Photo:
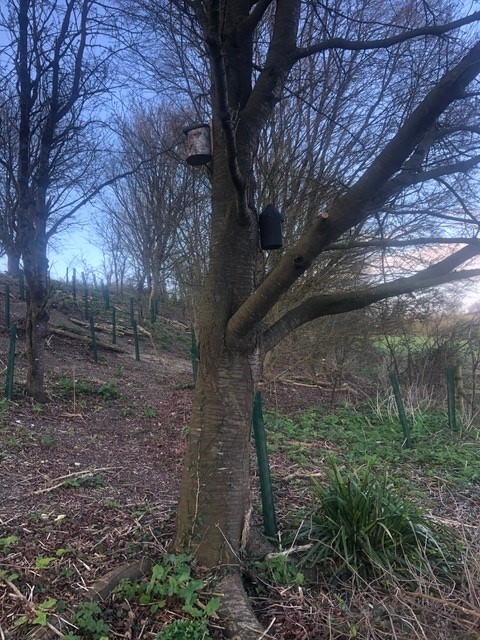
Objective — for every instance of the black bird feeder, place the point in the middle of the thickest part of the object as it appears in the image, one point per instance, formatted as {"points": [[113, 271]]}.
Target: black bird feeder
{"points": [[270, 223], [199, 146]]}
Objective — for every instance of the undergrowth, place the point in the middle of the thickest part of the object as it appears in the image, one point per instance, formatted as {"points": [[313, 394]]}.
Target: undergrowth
{"points": [[360, 528], [362, 436]]}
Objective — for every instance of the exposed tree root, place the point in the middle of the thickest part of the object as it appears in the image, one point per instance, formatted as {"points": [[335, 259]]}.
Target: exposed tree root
{"points": [[236, 612], [104, 587]]}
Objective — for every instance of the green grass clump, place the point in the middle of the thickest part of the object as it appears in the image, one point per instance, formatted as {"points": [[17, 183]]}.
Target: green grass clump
{"points": [[185, 630], [361, 528], [362, 436], [67, 387]]}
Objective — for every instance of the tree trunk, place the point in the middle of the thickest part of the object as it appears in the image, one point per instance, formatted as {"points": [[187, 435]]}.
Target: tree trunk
{"points": [[215, 491], [13, 264], [36, 332], [36, 279], [214, 503]]}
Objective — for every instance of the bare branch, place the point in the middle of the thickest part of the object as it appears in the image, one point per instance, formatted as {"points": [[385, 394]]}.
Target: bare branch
{"points": [[255, 15], [384, 43], [330, 304], [351, 208], [396, 244]]}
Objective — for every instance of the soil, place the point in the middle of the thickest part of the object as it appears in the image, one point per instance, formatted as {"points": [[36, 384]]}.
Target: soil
{"points": [[89, 485], [89, 481]]}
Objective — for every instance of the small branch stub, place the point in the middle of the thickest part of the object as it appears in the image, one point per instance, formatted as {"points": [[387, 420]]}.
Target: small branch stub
{"points": [[199, 146]]}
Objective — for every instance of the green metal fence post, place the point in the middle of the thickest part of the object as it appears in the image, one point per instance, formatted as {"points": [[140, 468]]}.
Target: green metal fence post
{"points": [[87, 310], [7, 305], [105, 296], [11, 362], [401, 410], [74, 284], [268, 504], [94, 339], [135, 337], [132, 311], [114, 326], [452, 416]]}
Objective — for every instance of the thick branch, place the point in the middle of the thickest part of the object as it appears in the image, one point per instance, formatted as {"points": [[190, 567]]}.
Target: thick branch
{"points": [[393, 243], [226, 117], [257, 13], [331, 304], [384, 43], [353, 207]]}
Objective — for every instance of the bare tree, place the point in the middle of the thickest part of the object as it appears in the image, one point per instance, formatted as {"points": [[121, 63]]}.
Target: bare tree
{"points": [[56, 69], [9, 237], [152, 202], [253, 50]]}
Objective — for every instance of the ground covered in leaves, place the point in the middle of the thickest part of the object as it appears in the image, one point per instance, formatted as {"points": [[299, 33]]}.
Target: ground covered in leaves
{"points": [[89, 481]]}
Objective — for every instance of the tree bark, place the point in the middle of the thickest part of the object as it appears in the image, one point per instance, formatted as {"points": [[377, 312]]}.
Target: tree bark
{"points": [[13, 264], [215, 491], [37, 314]]}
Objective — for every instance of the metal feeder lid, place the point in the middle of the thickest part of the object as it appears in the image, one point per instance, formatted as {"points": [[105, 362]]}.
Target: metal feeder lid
{"points": [[198, 125]]}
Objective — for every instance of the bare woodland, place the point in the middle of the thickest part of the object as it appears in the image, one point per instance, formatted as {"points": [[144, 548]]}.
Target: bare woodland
{"points": [[359, 121]]}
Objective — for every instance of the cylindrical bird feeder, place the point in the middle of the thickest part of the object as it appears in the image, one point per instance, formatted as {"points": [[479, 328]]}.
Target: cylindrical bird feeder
{"points": [[199, 147], [270, 223]]}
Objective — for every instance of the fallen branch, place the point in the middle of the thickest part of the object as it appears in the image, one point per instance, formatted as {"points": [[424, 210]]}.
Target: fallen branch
{"points": [[175, 323], [74, 336], [288, 552], [443, 601], [304, 474], [105, 328], [75, 474]]}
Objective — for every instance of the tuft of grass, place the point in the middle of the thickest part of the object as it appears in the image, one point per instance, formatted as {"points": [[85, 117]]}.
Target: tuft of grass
{"points": [[360, 528], [67, 387], [148, 412], [109, 390]]}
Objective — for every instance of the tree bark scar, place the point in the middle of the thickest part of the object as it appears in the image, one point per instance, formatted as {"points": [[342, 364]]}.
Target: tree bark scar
{"points": [[300, 263]]}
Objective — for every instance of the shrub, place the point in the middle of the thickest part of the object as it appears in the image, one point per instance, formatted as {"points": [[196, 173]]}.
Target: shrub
{"points": [[361, 528]]}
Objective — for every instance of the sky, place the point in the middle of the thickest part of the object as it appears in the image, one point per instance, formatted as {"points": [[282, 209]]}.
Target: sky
{"points": [[74, 247]]}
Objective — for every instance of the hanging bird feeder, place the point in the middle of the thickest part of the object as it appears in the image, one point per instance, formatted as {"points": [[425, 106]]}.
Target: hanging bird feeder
{"points": [[270, 223], [199, 146]]}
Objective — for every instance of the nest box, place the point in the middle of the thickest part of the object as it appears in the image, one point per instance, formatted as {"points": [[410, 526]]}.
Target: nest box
{"points": [[270, 223], [199, 146]]}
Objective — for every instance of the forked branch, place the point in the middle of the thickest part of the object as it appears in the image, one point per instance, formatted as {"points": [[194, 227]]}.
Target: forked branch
{"points": [[355, 205], [331, 304]]}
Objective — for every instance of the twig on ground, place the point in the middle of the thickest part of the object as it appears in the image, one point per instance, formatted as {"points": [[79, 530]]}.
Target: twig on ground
{"points": [[86, 472], [29, 605]]}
